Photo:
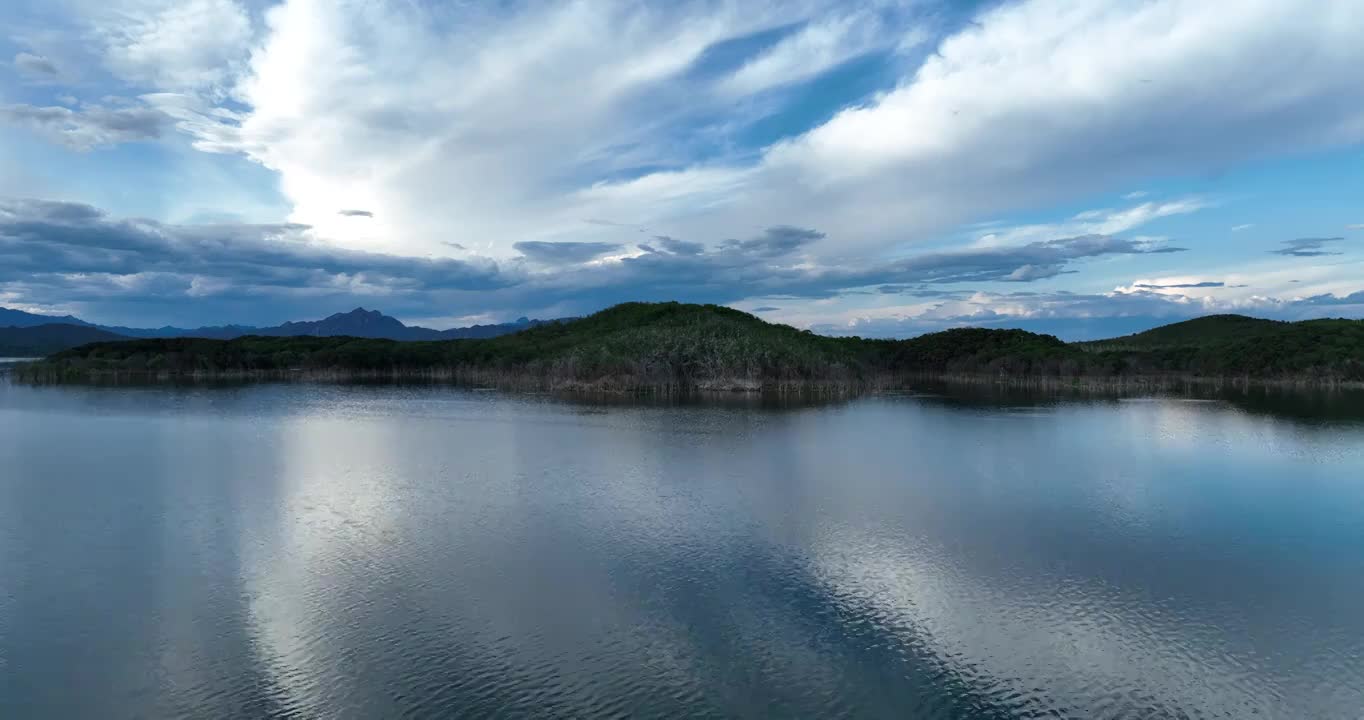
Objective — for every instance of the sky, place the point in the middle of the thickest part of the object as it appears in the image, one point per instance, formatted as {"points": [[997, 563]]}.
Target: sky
{"points": [[877, 168]]}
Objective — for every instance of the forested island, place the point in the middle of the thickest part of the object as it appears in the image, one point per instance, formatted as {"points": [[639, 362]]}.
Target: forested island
{"points": [[683, 347]]}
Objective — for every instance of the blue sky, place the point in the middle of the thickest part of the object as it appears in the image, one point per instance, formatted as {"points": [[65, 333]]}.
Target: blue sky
{"points": [[879, 168]]}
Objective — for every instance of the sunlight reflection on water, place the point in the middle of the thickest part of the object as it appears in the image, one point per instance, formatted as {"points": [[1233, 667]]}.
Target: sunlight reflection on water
{"points": [[370, 551]]}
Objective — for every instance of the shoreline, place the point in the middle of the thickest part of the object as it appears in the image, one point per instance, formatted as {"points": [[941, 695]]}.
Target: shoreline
{"points": [[624, 385]]}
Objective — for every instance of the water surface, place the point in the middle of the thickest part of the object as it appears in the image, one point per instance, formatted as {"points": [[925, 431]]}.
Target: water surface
{"points": [[370, 551]]}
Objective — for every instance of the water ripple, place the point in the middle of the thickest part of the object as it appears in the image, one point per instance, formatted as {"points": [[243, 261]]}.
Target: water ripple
{"points": [[311, 552]]}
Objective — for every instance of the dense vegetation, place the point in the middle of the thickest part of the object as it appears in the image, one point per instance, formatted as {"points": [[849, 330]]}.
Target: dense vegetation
{"points": [[627, 346], [1310, 349], [1198, 332], [40, 340], [671, 345]]}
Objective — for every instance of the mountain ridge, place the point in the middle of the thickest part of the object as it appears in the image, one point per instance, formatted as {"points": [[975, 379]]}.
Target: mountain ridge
{"points": [[48, 338], [358, 322], [18, 318], [676, 346]]}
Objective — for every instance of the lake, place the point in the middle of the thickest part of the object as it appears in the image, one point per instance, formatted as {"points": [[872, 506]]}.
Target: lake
{"points": [[350, 551]]}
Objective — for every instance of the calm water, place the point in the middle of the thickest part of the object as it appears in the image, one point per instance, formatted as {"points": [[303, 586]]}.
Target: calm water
{"points": [[375, 552]]}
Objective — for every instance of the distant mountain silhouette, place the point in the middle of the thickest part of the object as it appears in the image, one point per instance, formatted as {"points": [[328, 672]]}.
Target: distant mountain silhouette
{"points": [[40, 340], [487, 331], [19, 318], [216, 332], [374, 324], [356, 323]]}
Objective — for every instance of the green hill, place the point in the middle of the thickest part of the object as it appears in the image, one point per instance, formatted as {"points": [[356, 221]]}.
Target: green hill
{"points": [[968, 351], [626, 346], [1200, 332], [1311, 349], [1240, 346], [679, 346]]}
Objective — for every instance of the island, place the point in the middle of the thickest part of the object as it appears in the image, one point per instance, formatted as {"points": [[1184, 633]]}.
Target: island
{"points": [[682, 347]]}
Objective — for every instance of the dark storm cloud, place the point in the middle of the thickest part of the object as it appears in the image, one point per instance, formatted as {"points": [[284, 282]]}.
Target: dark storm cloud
{"points": [[920, 291], [1024, 263], [81, 244], [90, 127], [565, 253], [774, 242], [767, 267], [59, 253], [679, 247], [36, 67], [1355, 298], [1307, 247]]}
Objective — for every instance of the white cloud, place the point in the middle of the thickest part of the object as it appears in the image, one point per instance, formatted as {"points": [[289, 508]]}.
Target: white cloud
{"points": [[467, 129], [174, 44], [1044, 99], [484, 130], [1047, 77], [1245, 226], [818, 47], [1094, 222]]}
